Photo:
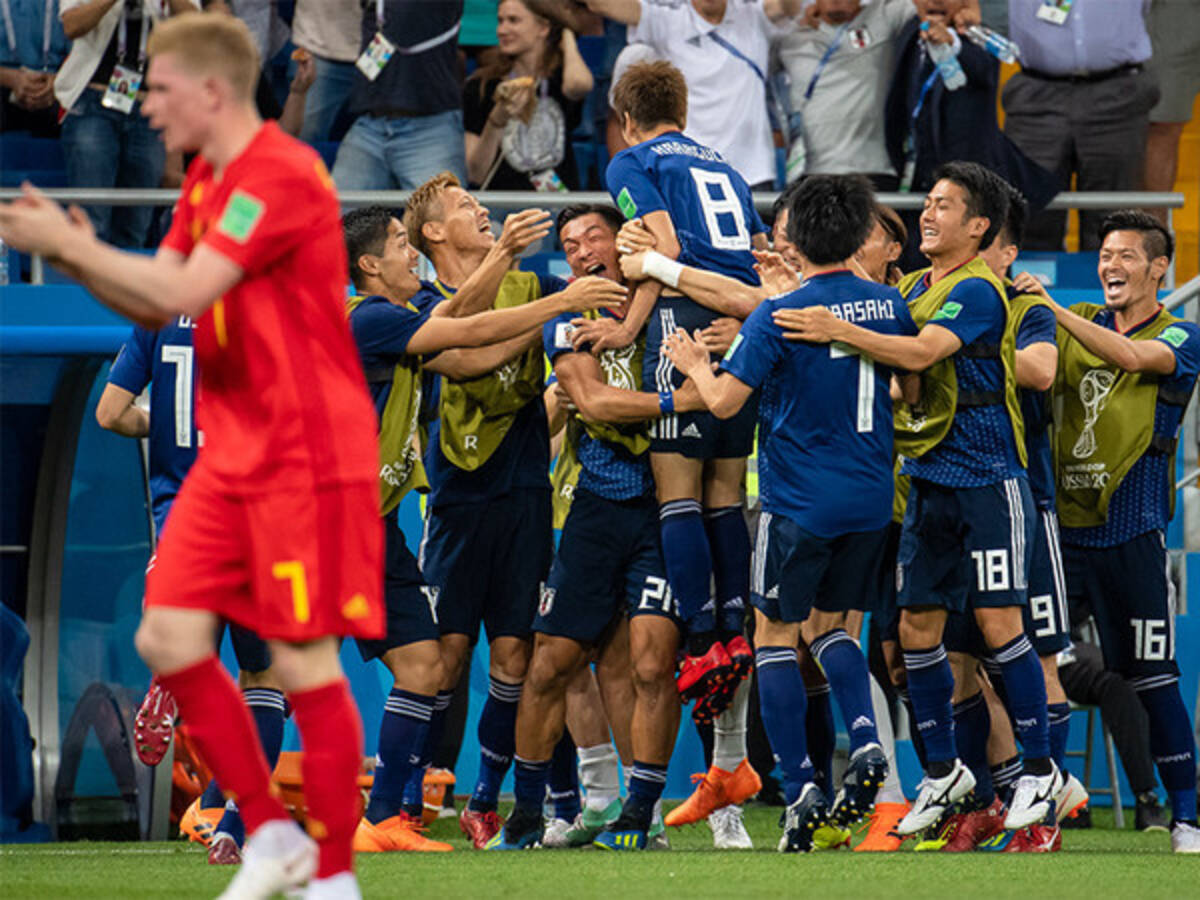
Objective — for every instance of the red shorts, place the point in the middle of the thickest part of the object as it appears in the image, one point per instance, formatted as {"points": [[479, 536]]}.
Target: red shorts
{"points": [[290, 565]]}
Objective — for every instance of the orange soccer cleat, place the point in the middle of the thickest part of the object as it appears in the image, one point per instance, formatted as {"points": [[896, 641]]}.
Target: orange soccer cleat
{"points": [[200, 825], [400, 832], [717, 788], [434, 787], [881, 836]]}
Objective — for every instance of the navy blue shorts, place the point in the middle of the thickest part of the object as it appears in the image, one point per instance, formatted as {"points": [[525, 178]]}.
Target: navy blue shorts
{"points": [[411, 604], [696, 435], [795, 570], [965, 547], [1133, 600], [609, 564], [250, 650], [1047, 622], [887, 614], [489, 561]]}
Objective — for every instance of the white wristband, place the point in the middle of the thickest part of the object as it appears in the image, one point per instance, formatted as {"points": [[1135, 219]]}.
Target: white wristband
{"points": [[660, 268]]}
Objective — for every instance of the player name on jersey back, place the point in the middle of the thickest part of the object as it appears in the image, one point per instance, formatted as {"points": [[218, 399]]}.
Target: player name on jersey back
{"points": [[680, 148], [869, 310]]}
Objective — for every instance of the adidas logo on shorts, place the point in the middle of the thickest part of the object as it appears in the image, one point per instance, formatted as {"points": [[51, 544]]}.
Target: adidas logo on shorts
{"points": [[773, 593], [691, 431]]}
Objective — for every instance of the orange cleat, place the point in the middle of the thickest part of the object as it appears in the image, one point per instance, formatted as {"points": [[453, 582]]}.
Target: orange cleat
{"points": [[976, 827], [435, 785], [480, 827], [200, 825], [716, 789], [400, 832], [881, 836]]}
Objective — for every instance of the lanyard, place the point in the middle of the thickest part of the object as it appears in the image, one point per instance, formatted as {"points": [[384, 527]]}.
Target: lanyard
{"points": [[9, 31], [47, 26], [379, 15], [435, 41], [829, 51], [734, 51], [122, 37]]}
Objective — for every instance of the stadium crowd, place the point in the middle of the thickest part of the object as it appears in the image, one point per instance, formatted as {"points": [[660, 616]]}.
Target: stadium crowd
{"points": [[922, 422]]}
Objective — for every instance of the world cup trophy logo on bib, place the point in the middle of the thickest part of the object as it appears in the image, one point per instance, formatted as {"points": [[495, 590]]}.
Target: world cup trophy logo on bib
{"points": [[1093, 394]]}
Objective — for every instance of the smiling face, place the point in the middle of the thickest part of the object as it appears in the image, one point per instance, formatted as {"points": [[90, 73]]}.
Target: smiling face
{"points": [[397, 265], [518, 30], [1128, 276], [588, 241], [179, 104], [464, 225], [946, 227]]}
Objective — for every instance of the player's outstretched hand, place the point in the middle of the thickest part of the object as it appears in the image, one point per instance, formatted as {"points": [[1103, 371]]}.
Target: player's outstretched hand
{"points": [[635, 237], [812, 323], [775, 273], [687, 353], [523, 229], [594, 292], [1028, 283], [718, 336], [588, 332], [35, 224]]}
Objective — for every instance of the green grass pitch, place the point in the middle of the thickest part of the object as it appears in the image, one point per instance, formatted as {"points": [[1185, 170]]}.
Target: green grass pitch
{"points": [[1098, 863]]}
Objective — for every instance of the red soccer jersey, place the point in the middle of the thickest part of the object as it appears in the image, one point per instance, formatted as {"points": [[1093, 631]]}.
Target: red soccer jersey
{"points": [[281, 398]]}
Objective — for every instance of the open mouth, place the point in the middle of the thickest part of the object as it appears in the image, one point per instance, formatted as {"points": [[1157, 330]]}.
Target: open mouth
{"points": [[1113, 284]]}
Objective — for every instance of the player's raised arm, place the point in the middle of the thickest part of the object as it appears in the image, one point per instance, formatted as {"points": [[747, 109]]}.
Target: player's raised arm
{"points": [[718, 292], [914, 354]]}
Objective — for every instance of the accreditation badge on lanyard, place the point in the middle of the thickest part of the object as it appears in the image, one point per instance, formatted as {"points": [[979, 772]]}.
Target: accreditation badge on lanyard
{"points": [[1055, 11], [372, 60], [124, 84]]}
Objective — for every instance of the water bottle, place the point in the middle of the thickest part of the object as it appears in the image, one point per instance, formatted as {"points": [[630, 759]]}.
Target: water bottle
{"points": [[994, 43], [946, 60]]}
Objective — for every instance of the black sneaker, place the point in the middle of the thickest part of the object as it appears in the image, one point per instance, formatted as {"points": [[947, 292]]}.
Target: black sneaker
{"points": [[802, 819], [864, 776], [1081, 819], [1149, 815]]}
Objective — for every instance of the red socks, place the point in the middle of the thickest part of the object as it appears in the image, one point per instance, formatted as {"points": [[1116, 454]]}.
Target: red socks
{"points": [[332, 737], [219, 722]]}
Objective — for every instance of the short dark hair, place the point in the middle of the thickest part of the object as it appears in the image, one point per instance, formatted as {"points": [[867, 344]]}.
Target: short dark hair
{"points": [[1156, 239], [653, 93], [830, 216], [986, 194], [1013, 229], [611, 216], [365, 231], [784, 200], [891, 222]]}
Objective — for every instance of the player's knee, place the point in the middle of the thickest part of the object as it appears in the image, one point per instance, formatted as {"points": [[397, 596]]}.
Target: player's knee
{"points": [[548, 674], [652, 670]]}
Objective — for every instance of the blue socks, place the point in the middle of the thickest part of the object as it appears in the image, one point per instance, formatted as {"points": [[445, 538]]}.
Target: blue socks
{"points": [[914, 735], [931, 688], [1025, 688], [972, 725], [402, 733], [730, 542], [414, 790], [564, 779], [689, 563], [497, 739], [846, 668], [782, 701], [821, 737], [529, 784], [646, 783], [1060, 727], [1171, 742], [1004, 778]]}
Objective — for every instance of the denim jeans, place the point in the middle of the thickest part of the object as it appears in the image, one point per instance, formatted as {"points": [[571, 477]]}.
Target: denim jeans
{"points": [[105, 148], [326, 99], [400, 153]]}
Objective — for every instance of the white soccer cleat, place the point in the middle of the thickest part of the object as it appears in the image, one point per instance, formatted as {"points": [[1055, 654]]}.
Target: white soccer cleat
{"points": [[1033, 798], [1070, 799], [342, 886], [934, 795], [277, 858], [555, 833], [729, 831], [1185, 838]]}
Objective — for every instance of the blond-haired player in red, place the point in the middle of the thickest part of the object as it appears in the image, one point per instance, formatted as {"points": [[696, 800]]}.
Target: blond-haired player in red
{"points": [[277, 526]]}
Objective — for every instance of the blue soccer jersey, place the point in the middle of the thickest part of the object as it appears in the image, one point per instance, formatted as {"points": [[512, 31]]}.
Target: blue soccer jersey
{"points": [[165, 360], [1142, 501], [382, 330], [980, 448], [825, 417], [607, 469], [708, 201], [1037, 327]]}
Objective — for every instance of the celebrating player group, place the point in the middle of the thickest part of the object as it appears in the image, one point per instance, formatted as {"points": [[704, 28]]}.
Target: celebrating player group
{"points": [[918, 441]]}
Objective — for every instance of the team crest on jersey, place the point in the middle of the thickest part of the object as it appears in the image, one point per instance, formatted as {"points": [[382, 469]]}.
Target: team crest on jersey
{"points": [[860, 38], [547, 601]]}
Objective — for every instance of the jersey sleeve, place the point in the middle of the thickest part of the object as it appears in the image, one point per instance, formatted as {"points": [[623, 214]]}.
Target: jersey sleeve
{"points": [[1184, 340], [904, 320], [383, 330], [556, 336], [755, 349], [134, 365], [1037, 327], [267, 214], [970, 311], [551, 284], [655, 23], [631, 188]]}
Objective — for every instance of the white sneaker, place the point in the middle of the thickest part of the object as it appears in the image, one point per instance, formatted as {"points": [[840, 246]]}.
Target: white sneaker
{"points": [[555, 833], [934, 795], [1072, 798], [277, 857], [1033, 797], [1185, 838], [342, 886], [729, 832]]}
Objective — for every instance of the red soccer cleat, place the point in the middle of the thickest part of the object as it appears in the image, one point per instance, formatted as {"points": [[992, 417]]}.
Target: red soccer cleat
{"points": [[154, 724], [976, 827], [480, 827], [701, 675], [1036, 839], [741, 655], [224, 851]]}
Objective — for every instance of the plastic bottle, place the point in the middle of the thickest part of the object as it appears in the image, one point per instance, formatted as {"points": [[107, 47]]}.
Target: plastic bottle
{"points": [[994, 43], [946, 60]]}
